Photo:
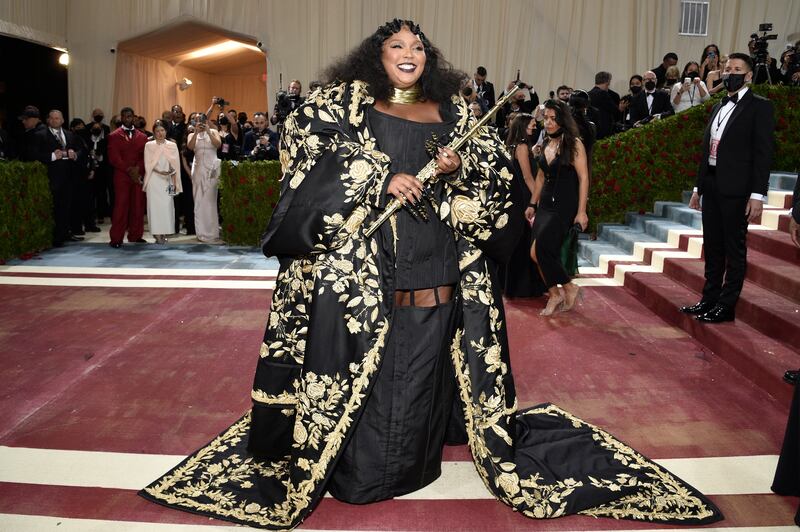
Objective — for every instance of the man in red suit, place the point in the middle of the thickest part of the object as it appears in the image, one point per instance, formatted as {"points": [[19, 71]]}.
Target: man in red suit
{"points": [[126, 155]]}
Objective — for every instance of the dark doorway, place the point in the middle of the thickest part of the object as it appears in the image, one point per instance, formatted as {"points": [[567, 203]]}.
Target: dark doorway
{"points": [[31, 75]]}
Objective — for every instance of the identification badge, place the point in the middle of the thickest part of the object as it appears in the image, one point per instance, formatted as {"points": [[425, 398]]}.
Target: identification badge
{"points": [[714, 146]]}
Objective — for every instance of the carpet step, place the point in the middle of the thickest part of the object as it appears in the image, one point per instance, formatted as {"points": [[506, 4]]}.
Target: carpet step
{"points": [[777, 316], [759, 357], [775, 243]]}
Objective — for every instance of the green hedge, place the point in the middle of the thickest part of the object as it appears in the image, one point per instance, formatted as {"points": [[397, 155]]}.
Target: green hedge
{"points": [[248, 193], [657, 162], [26, 213]]}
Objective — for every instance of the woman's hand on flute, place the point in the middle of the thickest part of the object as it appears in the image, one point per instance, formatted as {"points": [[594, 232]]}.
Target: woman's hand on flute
{"points": [[447, 161], [405, 187]]}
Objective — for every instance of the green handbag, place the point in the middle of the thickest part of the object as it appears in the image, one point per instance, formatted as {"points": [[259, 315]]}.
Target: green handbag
{"points": [[569, 250]]}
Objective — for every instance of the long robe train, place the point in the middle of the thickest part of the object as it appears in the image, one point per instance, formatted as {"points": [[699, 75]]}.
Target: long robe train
{"points": [[328, 324]]}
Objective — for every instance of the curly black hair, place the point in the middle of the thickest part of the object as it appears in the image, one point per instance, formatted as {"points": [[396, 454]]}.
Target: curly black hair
{"points": [[439, 79]]}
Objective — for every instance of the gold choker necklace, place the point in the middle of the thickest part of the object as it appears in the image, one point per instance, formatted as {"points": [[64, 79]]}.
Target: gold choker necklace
{"points": [[406, 96]]}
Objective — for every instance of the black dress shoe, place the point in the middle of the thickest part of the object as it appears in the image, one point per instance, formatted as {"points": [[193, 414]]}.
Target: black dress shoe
{"points": [[93, 229], [718, 314], [792, 376], [698, 308], [140, 241], [73, 238], [115, 245], [79, 232]]}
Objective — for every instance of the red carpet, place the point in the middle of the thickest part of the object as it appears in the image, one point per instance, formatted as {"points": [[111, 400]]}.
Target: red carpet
{"points": [[161, 371]]}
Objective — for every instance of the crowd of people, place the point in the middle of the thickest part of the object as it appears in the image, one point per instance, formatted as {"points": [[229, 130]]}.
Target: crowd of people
{"points": [[100, 170]]}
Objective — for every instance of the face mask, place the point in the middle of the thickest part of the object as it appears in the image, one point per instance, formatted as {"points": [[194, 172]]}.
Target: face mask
{"points": [[671, 81], [98, 118], [555, 133], [96, 131], [733, 82], [649, 85], [692, 75], [636, 89]]}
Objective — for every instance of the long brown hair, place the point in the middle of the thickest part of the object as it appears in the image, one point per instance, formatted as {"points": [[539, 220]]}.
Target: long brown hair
{"points": [[517, 130], [570, 135]]}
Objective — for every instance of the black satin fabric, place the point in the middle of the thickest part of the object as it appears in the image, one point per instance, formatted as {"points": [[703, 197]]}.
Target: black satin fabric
{"points": [[426, 250], [787, 474], [396, 448]]}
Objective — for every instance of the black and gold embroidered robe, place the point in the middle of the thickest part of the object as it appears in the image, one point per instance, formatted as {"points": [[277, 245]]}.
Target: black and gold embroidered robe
{"points": [[330, 318]]}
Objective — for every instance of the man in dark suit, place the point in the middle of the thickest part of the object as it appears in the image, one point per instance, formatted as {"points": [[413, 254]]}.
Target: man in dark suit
{"points": [[126, 155], [733, 181], [651, 103], [59, 150], [32, 124], [261, 143], [483, 88], [670, 59], [604, 111]]}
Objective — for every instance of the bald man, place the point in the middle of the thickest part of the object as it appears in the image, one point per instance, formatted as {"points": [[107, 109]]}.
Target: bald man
{"points": [[651, 103]]}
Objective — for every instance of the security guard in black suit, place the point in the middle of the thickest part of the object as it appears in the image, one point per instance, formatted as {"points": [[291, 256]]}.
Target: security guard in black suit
{"points": [[733, 181]]}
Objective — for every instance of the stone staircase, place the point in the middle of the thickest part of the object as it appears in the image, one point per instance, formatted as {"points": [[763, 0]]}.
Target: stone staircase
{"points": [[658, 257]]}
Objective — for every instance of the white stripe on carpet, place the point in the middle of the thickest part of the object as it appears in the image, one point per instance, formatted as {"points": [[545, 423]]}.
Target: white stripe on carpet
{"points": [[40, 523], [730, 475], [188, 272], [135, 283]]}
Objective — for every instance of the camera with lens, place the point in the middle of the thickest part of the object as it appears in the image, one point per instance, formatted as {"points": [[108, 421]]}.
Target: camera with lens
{"points": [[760, 45], [222, 102], [790, 61], [283, 105]]}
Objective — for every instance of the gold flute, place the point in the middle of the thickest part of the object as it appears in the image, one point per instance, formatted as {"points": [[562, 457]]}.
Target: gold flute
{"points": [[429, 170]]}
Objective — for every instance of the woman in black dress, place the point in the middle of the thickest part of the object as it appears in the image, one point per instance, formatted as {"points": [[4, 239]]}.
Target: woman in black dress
{"points": [[559, 202], [520, 277], [371, 337]]}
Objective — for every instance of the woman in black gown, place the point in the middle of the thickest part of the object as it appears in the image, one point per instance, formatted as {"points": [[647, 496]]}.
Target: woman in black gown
{"points": [[520, 276], [559, 202], [370, 338]]}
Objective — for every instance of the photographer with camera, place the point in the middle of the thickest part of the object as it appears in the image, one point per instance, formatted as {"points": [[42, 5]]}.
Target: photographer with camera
{"points": [[765, 67], [286, 102], [790, 65], [261, 144]]}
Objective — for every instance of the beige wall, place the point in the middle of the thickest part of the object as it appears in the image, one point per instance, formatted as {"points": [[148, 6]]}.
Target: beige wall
{"points": [[550, 41], [149, 86]]}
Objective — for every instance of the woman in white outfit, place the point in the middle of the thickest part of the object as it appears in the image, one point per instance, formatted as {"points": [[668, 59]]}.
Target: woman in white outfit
{"points": [[205, 141], [161, 165]]}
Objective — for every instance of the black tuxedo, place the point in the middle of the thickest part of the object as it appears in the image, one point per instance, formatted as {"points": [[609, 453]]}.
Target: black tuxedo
{"points": [[61, 173], [488, 93], [744, 157], [640, 110], [603, 112]]}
